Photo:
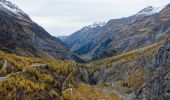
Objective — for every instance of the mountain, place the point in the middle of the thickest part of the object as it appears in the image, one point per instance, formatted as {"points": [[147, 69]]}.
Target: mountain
{"points": [[138, 69], [78, 39], [140, 74], [127, 34], [20, 35], [81, 37], [150, 10], [62, 38]]}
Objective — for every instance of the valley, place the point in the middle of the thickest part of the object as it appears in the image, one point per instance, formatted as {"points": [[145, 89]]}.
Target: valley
{"points": [[124, 76], [123, 59]]}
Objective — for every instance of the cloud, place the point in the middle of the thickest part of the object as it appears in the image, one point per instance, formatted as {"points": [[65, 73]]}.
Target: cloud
{"points": [[63, 17]]}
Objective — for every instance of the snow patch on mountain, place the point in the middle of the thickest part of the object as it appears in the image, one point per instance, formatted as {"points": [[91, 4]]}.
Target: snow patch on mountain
{"points": [[97, 24], [6, 5], [94, 25], [150, 10]]}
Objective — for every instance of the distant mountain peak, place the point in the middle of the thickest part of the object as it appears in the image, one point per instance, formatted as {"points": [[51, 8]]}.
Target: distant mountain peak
{"points": [[150, 10], [11, 8], [94, 25], [62, 38]]}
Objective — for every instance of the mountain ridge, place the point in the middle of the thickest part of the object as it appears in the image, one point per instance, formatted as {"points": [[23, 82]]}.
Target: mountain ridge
{"points": [[86, 34], [20, 35], [103, 44]]}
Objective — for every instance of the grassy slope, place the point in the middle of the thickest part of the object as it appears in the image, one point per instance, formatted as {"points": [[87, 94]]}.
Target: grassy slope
{"points": [[34, 82], [124, 57]]}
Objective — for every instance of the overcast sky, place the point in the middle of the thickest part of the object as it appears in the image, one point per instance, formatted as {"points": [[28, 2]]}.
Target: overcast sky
{"points": [[63, 17]]}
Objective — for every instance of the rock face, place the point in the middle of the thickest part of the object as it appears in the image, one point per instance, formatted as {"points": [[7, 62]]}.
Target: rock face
{"points": [[20, 35], [158, 80], [142, 74], [83, 36]]}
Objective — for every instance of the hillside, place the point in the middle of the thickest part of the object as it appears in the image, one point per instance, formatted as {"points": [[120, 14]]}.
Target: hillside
{"points": [[35, 78], [20, 35], [129, 76], [142, 32], [129, 58], [142, 74], [83, 36]]}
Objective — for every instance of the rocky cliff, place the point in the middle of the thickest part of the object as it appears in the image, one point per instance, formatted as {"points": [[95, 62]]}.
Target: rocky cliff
{"points": [[142, 74]]}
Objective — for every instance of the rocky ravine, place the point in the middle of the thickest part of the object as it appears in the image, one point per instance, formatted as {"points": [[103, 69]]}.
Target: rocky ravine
{"points": [[157, 78], [143, 74]]}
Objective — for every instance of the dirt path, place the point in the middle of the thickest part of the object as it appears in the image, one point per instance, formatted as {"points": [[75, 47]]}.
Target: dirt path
{"points": [[32, 65], [38, 65], [5, 77], [63, 86]]}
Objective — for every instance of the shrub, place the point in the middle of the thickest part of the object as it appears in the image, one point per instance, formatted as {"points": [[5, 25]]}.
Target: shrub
{"points": [[53, 93], [3, 71]]}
